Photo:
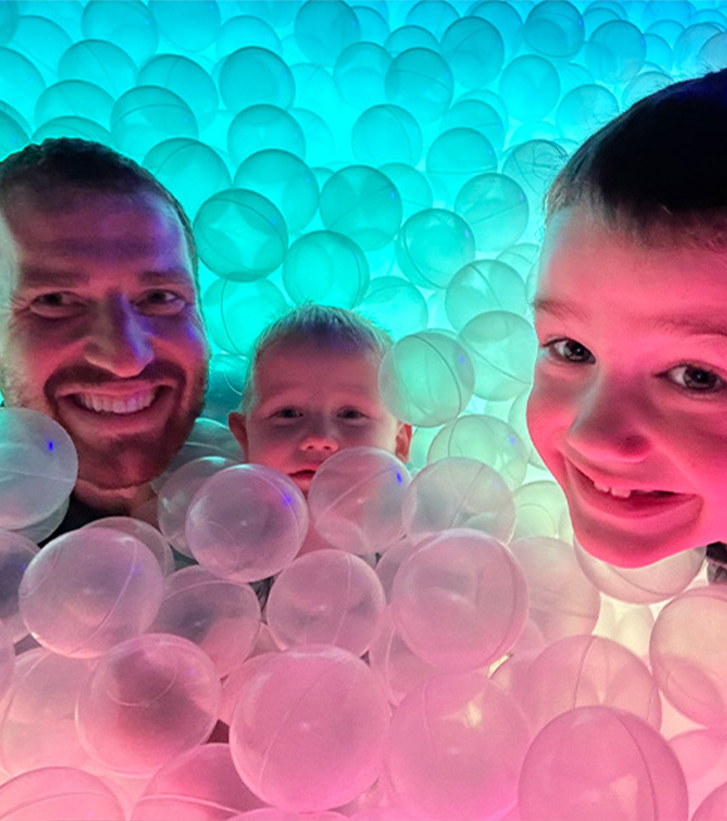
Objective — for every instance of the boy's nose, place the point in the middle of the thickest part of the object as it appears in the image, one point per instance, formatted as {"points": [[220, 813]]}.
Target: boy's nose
{"points": [[319, 438], [119, 339]]}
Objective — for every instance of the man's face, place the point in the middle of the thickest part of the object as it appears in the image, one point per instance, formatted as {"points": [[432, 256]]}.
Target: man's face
{"points": [[99, 328], [310, 402], [629, 403]]}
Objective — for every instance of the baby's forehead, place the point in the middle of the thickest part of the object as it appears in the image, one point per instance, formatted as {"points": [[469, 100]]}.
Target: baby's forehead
{"points": [[316, 350]]}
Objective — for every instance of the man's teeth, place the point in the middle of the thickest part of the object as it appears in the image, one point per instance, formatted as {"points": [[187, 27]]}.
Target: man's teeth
{"points": [[113, 404]]}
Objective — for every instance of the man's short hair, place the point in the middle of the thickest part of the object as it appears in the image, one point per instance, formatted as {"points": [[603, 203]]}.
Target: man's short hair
{"points": [[67, 162], [333, 329], [658, 172]]}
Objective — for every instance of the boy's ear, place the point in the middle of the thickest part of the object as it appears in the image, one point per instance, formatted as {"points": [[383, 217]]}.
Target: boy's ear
{"points": [[403, 442], [238, 428]]}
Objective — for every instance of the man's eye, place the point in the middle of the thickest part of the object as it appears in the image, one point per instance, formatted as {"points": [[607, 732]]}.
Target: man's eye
{"points": [[55, 304], [696, 379], [161, 301], [570, 351]]}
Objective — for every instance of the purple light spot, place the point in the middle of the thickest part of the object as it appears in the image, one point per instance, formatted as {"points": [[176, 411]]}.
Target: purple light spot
{"points": [[399, 477], [50, 444]]}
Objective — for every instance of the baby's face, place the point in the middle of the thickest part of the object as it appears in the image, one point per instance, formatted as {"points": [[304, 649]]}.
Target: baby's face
{"points": [[311, 402], [629, 403]]}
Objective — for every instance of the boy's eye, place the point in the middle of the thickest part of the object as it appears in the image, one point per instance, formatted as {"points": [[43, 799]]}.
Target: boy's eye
{"points": [[287, 413], [696, 379], [352, 413], [570, 351]]}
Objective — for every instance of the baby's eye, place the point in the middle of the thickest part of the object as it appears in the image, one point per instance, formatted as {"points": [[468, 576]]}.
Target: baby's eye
{"points": [[55, 305], [569, 350], [696, 379], [287, 413], [352, 413]]}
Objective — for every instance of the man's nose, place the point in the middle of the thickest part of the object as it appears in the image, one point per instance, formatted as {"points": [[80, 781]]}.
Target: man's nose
{"points": [[120, 339]]}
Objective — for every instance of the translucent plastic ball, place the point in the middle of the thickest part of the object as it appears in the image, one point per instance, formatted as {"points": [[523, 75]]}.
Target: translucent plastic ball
{"points": [[529, 86], [714, 805], [396, 305], [410, 36], [145, 533], [481, 286], [487, 439], [646, 83], [578, 766], [420, 81], [359, 74], [432, 246], [240, 235], [220, 616], [246, 30], [373, 23], [147, 700], [454, 157], [78, 127], [326, 597], [13, 136], [42, 41], [190, 169], [584, 110], [503, 348], [315, 88], [290, 747], [194, 30], [455, 749], [49, 467], [246, 523], [20, 81], [459, 492], [712, 53], [38, 716], [74, 97], [236, 312], [653, 583], [326, 267], [194, 785], [496, 208], [386, 134], [261, 127], [689, 43], [533, 165], [208, 438], [253, 75], [129, 25], [474, 50], [323, 30], [460, 601], [426, 378], [59, 794], [479, 115], [355, 499], [99, 62], [434, 15], [703, 755], [363, 204], [689, 661], [562, 600], [412, 185], [554, 29], [185, 78], [286, 181], [90, 589], [16, 553], [319, 144], [615, 52]]}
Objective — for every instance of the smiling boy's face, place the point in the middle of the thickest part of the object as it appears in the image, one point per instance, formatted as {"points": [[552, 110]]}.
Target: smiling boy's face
{"points": [[629, 402]]}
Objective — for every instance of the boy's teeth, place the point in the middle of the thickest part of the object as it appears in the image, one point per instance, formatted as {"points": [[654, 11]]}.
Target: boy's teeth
{"points": [[621, 494]]}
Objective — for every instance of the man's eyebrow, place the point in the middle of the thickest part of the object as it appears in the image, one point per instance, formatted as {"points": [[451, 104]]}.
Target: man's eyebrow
{"points": [[34, 277], [167, 275]]}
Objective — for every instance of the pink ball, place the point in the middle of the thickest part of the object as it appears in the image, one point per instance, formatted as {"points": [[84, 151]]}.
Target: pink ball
{"points": [[714, 806], [689, 656], [148, 700], [246, 522], [455, 748], [598, 764], [703, 756], [145, 533], [388, 565], [90, 589], [16, 553], [460, 601], [459, 492], [58, 794], [326, 597], [580, 671], [220, 616], [309, 728], [355, 499]]}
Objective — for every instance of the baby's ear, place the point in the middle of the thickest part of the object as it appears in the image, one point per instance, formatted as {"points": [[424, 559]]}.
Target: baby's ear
{"points": [[403, 442], [238, 428]]}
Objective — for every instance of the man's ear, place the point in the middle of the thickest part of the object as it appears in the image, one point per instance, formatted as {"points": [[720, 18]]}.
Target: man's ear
{"points": [[403, 442], [238, 428]]}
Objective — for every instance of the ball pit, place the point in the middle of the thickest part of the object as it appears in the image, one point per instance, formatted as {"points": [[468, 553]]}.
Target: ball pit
{"points": [[391, 157]]}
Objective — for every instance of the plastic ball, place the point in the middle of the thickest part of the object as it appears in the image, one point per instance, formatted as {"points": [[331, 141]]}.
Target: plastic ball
{"points": [[74, 98], [145, 533], [286, 181], [129, 712], [432, 246], [252, 76], [129, 25], [315, 88], [225, 384], [446, 754], [246, 523], [496, 208], [455, 156], [59, 794], [479, 116], [355, 499], [246, 30], [194, 30], [13, 135], [323, 30], [220, 616], [426, 378], [38, 715], [43, 42], [374, 27], [459, 492], [712, 53], [195, 784], [533, 165], [208, 438], [460, 601], [79, 127], [714, 805], [410, 36], [9, 21], [264, 127], [185, 78], [433, 15], [529, 86], [101, 63], [20, 81], [420, 81], [359, 74], [703, 756], [386, 134], [689, 661], [327, 268], [615, 52], [240, 235], [481, 286], [653, 583], [326, 597], [318, 140], [90, 589], [688, 46], [16, 553], [584, 110], [474, 50], [578, 764], [523, 257], [290, 747], [644, 84], [396, 305], [554, 29]]}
